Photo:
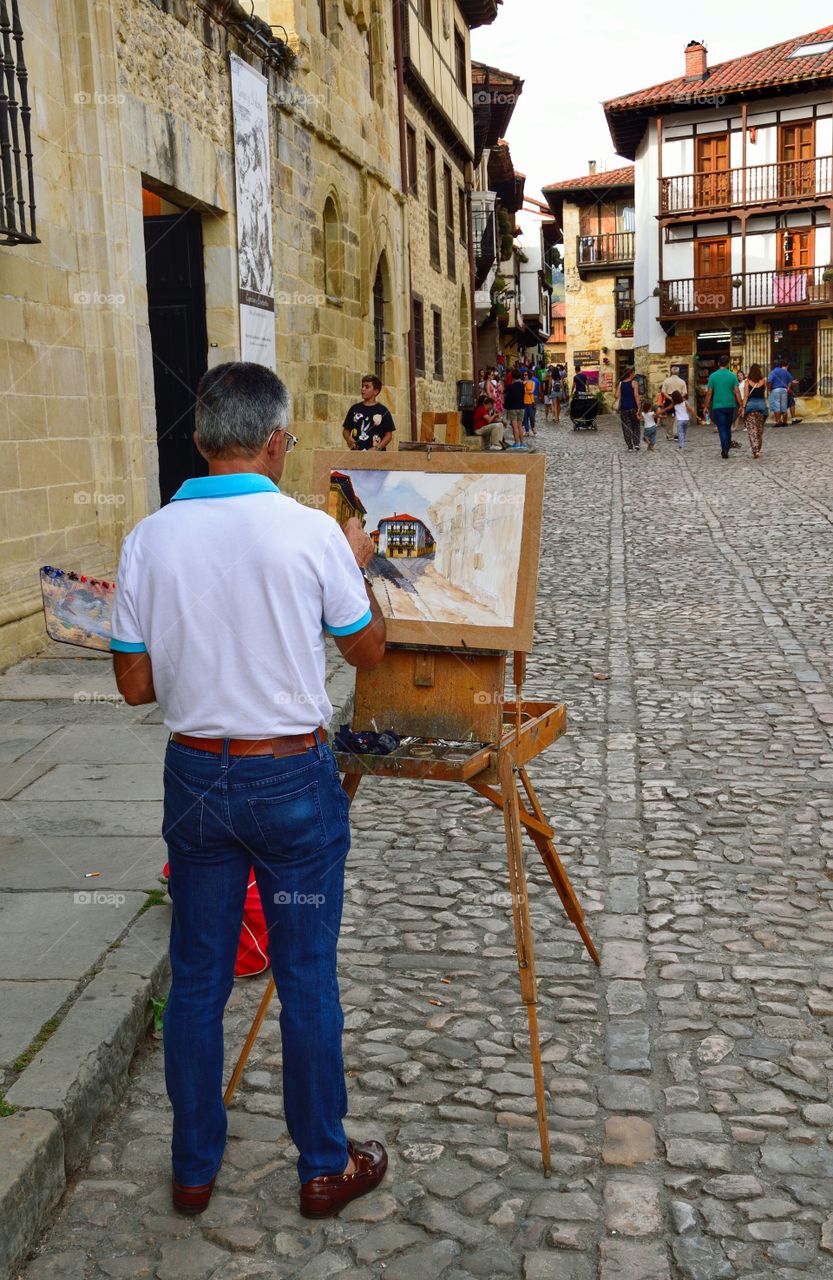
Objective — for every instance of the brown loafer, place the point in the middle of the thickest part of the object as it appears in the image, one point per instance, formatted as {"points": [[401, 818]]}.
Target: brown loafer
{"points": [[192, 1200], [326, 1196]]}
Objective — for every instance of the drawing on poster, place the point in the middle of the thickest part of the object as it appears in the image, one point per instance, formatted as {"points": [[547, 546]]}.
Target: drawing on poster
{"points": [[448, 545], [253, 184], [251, 153]]}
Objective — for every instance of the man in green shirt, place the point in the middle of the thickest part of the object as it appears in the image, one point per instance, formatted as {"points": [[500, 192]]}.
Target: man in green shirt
{"points": [[722, 400]]}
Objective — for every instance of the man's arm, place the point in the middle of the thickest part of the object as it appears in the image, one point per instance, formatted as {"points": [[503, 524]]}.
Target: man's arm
{"points": [[348, 437], [382, 442], [365, 649], [134, 677]]}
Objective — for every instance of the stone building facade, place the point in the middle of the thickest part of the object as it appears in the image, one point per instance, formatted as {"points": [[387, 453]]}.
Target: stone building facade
{"points": [[594, 220], [134, 157]]}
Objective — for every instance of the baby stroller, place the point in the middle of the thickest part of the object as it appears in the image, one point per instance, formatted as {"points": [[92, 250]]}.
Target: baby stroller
{"points": [[584, 408]]}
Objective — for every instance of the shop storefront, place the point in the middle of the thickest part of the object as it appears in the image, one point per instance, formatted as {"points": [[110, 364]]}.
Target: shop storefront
{"points": [[794, 339]]}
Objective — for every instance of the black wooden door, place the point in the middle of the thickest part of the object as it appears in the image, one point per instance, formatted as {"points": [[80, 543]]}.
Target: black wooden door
{"points": [[176, 312]]}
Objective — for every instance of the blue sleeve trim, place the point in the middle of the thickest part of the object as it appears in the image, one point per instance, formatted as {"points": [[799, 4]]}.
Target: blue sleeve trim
{"points": [[354, 626], [127, 646]]}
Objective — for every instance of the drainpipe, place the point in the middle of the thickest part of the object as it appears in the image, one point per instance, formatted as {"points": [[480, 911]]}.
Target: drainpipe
{"points": [[398, 58], [470, 240]]}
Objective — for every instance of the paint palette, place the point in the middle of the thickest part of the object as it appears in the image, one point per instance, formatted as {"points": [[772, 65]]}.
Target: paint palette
{"points": [[77, 609]]}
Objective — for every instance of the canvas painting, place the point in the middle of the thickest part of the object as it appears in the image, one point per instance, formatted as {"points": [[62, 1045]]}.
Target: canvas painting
{"points": [[455, 539]]}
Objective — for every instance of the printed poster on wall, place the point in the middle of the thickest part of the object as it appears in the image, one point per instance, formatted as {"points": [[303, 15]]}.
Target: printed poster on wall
{"points": [[253, 182]]}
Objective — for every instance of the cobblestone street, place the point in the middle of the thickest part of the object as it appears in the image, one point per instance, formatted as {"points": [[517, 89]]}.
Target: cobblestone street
{"points": [[688, 1080]]}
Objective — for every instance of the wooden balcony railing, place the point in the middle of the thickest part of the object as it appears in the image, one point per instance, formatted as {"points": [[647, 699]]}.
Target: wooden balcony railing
{"points": [[758, 184], [614, 247], [755, 291]]}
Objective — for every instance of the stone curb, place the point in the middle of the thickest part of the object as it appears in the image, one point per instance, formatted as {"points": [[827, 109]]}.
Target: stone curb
{"points": [[32, 1180], [74, 1080], [82, 1069]]}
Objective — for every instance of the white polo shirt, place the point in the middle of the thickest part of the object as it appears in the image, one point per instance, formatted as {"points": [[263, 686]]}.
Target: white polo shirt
{"points": [[229, 589]]}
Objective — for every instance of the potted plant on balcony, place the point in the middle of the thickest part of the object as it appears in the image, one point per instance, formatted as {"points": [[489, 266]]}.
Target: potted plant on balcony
{"points": [[737, 282], [822, 292], [625, 329]]}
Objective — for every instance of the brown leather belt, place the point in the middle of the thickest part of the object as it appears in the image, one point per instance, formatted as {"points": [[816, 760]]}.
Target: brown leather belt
{"points": [[294, 744]]}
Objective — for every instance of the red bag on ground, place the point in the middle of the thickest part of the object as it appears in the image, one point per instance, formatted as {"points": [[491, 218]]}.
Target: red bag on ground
{"points": [[253, 948]]}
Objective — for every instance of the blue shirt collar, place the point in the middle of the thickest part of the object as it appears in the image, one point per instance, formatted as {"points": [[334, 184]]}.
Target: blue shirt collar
{"points": [[227, 486]]}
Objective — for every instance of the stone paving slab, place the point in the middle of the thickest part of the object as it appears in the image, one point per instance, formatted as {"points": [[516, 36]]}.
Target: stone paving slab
{"points": [[61, 934], [689, 1082], [116, 743], [62, 861], [26, 1007]]}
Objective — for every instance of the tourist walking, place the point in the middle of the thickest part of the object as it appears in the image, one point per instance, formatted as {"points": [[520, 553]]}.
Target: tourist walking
{"points": [[683, 413], [722, 400], [627, 397], [649, 424], [754, 408], [557, 392], [780, 381]]}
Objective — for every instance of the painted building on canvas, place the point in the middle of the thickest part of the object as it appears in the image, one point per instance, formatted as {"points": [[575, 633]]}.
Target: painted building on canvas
{"points": [[404, 536]]}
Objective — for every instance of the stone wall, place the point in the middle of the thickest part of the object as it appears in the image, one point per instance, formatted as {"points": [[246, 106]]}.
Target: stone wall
{"points": [[138, 93], [590, 306], [452, 297]]}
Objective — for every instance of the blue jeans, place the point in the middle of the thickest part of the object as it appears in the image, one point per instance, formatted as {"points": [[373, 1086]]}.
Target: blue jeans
{"points": [[723, 419], [682, 428], [529, 417], [287, 818]]}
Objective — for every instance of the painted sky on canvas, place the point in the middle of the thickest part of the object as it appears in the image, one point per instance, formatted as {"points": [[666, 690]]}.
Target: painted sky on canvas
{"points": [[387, 493]]}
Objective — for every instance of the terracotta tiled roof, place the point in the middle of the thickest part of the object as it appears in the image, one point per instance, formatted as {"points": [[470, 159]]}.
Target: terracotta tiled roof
{"points": [[610, 178], [766, 68], [754, 70]]}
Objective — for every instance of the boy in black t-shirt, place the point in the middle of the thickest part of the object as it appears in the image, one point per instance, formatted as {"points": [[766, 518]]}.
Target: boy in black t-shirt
{"points": [[368, 425]]}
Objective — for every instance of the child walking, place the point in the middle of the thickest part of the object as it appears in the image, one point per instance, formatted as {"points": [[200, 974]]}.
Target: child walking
{"points": [[683, 413], [649, 423]]}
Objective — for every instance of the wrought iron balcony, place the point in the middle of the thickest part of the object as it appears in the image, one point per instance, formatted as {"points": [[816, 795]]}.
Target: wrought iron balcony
{"points": [[17, 188], [799, 288], [612, 248], [786, 181]]}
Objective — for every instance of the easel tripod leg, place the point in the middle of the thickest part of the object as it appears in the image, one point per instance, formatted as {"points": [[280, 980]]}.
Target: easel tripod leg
{"points": [[350, 783], [555, 869], [524, 943]]}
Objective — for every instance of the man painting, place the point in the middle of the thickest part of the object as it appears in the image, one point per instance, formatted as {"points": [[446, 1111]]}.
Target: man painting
{"points": [[222, 601]]}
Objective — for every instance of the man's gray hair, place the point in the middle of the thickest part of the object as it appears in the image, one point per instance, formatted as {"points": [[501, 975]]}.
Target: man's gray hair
{"points": [[239, 405]]}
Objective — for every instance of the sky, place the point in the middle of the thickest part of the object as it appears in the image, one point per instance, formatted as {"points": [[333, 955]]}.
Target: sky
{"points": [[572, 57]]}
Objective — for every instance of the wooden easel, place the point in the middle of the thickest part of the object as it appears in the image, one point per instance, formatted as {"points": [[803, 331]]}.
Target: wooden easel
{"points": [[402, 694]]}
